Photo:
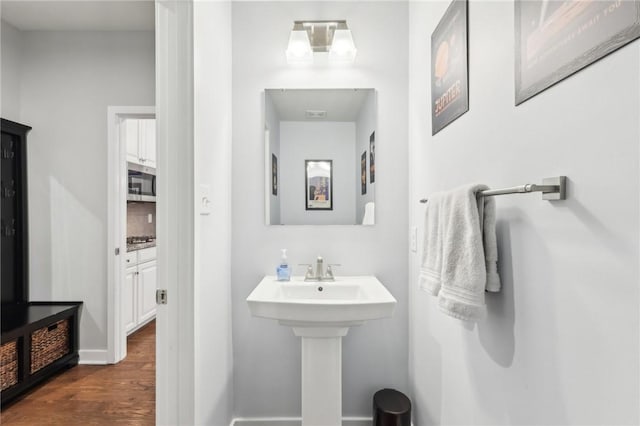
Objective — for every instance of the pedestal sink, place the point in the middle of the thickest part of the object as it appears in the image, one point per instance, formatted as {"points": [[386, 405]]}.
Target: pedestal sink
{"points": [[321, 314]]}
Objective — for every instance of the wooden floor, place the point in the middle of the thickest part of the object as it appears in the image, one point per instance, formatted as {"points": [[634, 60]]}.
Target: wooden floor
{"points": [[121, 394]]}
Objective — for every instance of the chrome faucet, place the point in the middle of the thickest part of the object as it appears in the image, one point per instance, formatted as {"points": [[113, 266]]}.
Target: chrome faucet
{"points": [[319, 268], [319, 274]]}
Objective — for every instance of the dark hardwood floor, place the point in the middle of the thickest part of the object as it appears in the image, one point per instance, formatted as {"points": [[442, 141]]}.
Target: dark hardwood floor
{"points": [[121, 394]]}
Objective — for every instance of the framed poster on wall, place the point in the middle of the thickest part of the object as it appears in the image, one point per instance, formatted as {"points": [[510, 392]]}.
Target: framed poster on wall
{"points": [[555, 39], [318, 184], [449, 67]]}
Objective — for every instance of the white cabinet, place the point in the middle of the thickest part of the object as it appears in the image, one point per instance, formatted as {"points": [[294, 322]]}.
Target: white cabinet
{"points": [[140, 136], [146, 255], [131, 259], [130, 132], [139, 292], [129, 299], [148, 141], [147, 284]]}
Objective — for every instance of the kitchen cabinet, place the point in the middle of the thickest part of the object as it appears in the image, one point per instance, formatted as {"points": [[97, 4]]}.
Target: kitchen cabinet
{"points": [[140, 137], [147, 284], [131, 259], [129, 299], [139, 293]]}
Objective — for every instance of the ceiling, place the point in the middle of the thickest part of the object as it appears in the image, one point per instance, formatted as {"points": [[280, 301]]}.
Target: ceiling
{"points": [[80, 15], [340, 104]]}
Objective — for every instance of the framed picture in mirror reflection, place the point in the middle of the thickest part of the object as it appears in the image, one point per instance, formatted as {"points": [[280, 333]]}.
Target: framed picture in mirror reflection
{"points": [[363, 172], [318, 184], [372, 157], [274, 175]]}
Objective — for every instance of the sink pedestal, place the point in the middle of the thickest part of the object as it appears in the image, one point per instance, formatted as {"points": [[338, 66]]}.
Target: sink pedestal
{"points": [[321, 314], [321, 375]]}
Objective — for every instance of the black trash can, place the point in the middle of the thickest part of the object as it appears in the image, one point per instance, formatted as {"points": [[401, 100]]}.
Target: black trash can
{"points": [[391, 408]]}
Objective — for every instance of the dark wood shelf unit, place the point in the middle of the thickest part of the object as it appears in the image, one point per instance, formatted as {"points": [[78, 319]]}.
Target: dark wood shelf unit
{"points": [[23, 321], [18, 324], [14, 227]]}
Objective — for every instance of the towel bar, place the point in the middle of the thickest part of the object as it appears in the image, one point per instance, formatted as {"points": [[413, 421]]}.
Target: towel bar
{"points": [[552, 189]]}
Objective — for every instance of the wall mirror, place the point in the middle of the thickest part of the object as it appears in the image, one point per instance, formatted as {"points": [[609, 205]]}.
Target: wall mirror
{"points": [[320, 156]]}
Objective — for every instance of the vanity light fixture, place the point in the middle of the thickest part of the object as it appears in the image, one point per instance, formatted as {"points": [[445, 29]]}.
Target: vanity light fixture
{"points": [[332, 37], [343, 49], [299, 49]]}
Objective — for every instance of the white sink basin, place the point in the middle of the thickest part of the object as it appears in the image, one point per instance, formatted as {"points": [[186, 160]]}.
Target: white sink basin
{"points": [[345, 302]]}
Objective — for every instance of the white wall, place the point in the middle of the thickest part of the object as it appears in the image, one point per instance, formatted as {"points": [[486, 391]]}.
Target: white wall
{"points": [[11, 64], [67, 81], [267, 355], [212, 134], [365, 125], [560, 342], [300, 141]]}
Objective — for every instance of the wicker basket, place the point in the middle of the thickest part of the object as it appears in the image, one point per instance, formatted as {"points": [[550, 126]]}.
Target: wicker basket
{"points": [[49, 344], [8, 364]]}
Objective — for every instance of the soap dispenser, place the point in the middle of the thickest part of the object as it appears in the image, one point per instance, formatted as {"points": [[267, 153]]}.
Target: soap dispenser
{"points": [[283, 271]]}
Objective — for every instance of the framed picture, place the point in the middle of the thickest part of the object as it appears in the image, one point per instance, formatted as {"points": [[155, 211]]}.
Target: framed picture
{"points": [[318, 184], [372, 157], [449, 67], [363, 172], [274, 174], [555, 39]]}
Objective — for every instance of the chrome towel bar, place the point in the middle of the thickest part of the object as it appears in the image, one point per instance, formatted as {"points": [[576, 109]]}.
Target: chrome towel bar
{"points": [[552, 189]]}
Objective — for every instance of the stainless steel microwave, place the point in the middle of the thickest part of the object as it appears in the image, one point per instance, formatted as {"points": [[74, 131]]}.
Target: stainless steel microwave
{"points": [[141, 183]]}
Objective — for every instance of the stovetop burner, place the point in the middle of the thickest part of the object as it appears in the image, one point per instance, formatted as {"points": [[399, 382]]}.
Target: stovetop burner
{"points": [[140, 239]]}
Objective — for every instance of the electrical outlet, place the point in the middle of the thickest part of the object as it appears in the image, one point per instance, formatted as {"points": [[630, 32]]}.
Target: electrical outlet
{"points": [[414, 239], [150, 218]]}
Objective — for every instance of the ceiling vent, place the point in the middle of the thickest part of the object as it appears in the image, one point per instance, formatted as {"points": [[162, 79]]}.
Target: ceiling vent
{"points": [[314, 114]]}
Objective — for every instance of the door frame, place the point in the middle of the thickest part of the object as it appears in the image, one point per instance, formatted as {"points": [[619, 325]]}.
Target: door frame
{"points": [[175, 219], [117, 224], [175, 343]]}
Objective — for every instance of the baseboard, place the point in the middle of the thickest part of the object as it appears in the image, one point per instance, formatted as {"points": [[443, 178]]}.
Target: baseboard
{"points": [[93, 356], [294, 421], [139, 326]]}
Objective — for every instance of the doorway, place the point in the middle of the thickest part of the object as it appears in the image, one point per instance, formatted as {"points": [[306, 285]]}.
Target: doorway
{"points": [[132, 280], [71, 170]]}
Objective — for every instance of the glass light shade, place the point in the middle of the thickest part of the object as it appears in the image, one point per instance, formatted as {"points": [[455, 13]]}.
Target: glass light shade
{"points": [[343, 50], [299, 49]]}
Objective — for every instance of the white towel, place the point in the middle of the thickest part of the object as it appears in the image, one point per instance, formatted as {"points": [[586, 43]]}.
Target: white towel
{"points": [[431, 267], [369, 217], [490, 244], [454, 264]]}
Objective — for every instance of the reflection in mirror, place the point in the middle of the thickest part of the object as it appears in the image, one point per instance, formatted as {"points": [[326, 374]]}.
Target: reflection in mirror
{"points": [[320, 156]]}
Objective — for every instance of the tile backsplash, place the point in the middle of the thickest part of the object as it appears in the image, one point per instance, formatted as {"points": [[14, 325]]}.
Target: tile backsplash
{"points": [[138, 219]]}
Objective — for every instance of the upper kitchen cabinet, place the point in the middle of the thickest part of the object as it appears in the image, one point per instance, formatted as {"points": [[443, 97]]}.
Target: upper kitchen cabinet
{"points": [[140, 134]]}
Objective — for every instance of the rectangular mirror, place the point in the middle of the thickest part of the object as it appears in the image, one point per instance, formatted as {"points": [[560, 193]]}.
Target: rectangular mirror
{"points": [[320, 156]]}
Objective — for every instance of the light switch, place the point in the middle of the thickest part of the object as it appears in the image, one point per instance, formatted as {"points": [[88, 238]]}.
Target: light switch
{"points": [[414, 239], [205, 201], [150, 218]]}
